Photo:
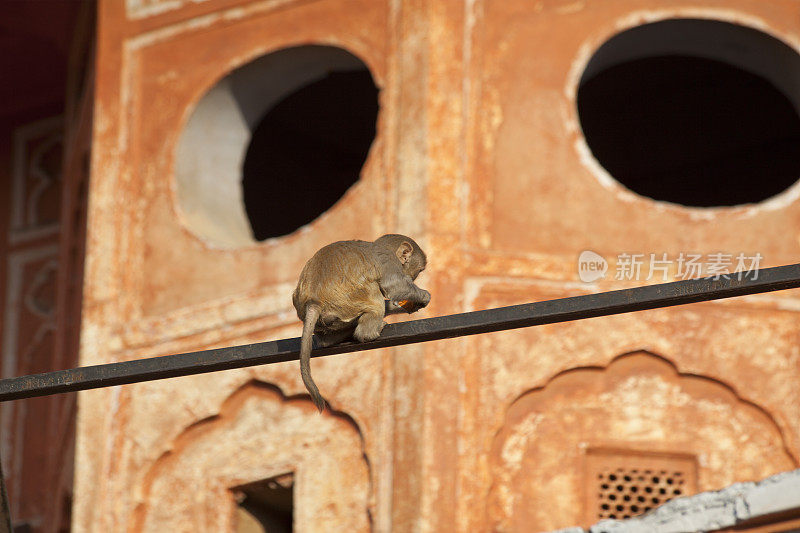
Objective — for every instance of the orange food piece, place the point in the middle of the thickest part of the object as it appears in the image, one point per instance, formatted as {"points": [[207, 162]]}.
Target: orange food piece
{"points": [[407, 305]]}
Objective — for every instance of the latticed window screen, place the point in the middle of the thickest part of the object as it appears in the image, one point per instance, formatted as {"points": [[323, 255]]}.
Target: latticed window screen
{"points": [[621, 484]]}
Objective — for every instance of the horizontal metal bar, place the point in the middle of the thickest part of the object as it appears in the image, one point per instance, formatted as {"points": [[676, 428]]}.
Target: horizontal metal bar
{"points": [[429, 329]]}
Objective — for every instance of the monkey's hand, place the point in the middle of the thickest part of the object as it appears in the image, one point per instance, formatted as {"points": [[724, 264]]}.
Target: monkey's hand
{"points": [[400, 288], [393, 308], [426, 299], [407, 306], [412, 306]]}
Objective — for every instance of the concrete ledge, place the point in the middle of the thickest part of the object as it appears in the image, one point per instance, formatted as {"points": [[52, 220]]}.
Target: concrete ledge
{"points": [[711, 511]]}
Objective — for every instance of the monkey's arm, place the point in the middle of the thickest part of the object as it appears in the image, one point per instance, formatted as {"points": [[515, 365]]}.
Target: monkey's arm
{"points": [[397, 286]]}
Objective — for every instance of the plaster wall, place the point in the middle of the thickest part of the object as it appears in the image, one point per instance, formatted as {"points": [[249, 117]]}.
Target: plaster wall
{"points": [[480, 156]]}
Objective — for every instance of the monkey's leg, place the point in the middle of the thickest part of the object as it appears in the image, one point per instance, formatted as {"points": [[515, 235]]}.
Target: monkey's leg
{"points": [[369, 327], [329, 339]]}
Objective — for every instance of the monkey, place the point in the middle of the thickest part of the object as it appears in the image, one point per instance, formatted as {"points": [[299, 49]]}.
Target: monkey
{"points": [[343, 290]]}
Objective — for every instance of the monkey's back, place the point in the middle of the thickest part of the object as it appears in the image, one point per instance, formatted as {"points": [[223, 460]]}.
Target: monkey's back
{"points": [[342, 279]]}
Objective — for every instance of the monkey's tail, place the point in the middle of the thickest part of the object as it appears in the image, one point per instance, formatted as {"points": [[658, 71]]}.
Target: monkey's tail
{"points": [[312, 315]]}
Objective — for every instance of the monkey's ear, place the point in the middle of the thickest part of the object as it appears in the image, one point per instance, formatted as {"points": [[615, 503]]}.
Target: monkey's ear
{"points": [[404, 252]]}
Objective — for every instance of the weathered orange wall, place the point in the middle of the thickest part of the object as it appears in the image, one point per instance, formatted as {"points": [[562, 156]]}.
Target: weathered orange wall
{"points": [[479, 155]]}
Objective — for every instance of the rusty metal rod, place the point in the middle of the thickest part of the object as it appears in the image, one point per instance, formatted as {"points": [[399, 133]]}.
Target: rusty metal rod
{"points": [[429, 329]]}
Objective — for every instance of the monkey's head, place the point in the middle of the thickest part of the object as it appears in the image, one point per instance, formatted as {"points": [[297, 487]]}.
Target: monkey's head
{"points": [[407, 251]]}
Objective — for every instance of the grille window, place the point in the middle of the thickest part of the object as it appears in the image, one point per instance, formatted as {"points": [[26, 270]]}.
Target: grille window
{"points": [[624, 493], [625, 484]]}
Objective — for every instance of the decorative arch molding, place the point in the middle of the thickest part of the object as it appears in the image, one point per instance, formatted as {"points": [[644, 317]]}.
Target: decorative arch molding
{"points": [[640, 402], [259, 433]]}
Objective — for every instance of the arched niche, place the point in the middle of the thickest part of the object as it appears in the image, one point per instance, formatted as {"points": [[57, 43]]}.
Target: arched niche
{"points": [[638, 404], [259, 435]]}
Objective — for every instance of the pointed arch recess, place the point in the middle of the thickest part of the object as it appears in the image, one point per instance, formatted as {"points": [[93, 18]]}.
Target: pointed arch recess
{"points": [[259, 433], [638, 402]]}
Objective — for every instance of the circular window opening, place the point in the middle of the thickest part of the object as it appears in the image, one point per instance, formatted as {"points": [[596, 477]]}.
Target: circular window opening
{"points": [[307, 151], [275, 144], [694, 112]]}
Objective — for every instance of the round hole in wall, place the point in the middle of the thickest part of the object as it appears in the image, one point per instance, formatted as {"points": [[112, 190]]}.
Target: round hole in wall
{"points": [[274, 144], [695, 112], [307, 151]]}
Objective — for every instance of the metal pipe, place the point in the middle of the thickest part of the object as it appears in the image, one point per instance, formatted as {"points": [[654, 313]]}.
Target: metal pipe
{"points": [[429, 329]]}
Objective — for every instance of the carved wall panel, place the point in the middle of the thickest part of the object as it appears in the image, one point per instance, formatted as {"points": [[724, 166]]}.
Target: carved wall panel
{"points": [[639, 403], [259, 434], [28, 335], [36, 180]]}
